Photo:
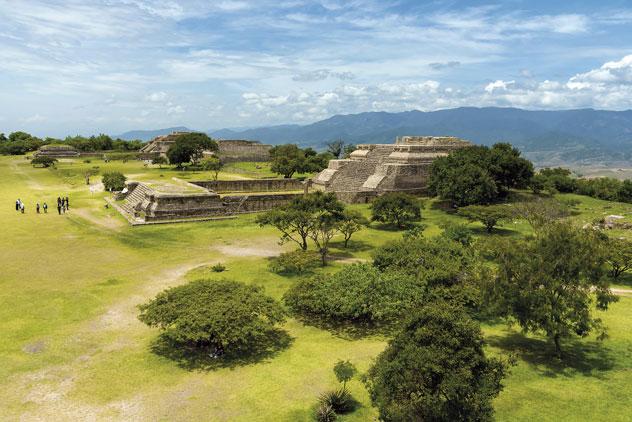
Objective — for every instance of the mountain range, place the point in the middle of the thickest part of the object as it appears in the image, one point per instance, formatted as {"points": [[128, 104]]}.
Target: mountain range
{"points": [[583, 136]]}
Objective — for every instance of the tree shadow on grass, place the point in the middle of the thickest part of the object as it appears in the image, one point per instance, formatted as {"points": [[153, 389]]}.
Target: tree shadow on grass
{"points": [[624, 279], [352, 246], [588, 358], [350, 330], [202, 359], [497, 231]]}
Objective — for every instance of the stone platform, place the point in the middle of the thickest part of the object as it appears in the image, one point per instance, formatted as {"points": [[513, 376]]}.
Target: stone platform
{"points": [[375, 169], [177, 200]]}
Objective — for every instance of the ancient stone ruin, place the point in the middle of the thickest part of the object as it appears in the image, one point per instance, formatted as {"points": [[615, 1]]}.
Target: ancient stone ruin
{"points": [[230, 150], [56, 151], [374, 169], [178, 200]]}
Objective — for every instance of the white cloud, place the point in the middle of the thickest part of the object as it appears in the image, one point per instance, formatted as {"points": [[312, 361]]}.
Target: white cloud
{"points": [[498, 85], [155, 97]]}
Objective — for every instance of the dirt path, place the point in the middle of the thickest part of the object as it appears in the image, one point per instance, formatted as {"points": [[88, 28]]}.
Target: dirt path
{"points": [[47, 391], [622, 292]]}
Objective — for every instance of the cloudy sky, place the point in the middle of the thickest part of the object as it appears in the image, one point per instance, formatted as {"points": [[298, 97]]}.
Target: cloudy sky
{"points": [[90, 66]]}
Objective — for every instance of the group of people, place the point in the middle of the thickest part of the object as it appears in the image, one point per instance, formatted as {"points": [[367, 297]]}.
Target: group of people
{"points": [[63, 206]]}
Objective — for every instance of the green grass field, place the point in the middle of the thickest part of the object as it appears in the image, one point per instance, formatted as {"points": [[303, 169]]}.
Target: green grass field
{"points": [[72, 349]]}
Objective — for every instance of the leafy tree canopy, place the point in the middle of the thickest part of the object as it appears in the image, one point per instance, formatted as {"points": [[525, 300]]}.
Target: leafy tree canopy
{"points": [[358, 293], [189, 147], [396, 208], [113, 181], [550, 283], [225, 315], [489, 215], [436, 370], [479, 174], [289, 159]]}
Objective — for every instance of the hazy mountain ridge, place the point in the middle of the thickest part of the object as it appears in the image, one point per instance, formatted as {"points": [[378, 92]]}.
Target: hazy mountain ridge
{"points": [[583, 135]]}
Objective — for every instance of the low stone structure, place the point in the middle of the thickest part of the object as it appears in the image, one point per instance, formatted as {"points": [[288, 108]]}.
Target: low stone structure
{"points": [[230, 150], [143, 203], [57, 151], [252, 185], [374, 169]]}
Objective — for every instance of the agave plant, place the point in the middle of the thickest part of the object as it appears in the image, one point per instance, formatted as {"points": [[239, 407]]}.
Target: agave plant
{"points": [[325, 413]]}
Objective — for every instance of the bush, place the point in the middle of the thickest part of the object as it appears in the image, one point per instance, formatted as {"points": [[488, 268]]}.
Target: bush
{"points": [[325, 413], [341, 401], [87, 161], [358, 293], [396, 208], [218, 268], [43, 161], [295, 262], [113, 181], [218, 315]]}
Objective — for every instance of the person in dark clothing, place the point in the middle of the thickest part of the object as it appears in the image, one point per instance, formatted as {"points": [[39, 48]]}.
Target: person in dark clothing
{"points": [[59, 201], [17, 205], [67, 205], [37, 208], [59, 208], [45, 206]]}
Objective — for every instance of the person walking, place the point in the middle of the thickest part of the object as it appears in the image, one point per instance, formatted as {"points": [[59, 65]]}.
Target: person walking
{"points": [[67, 204], [22, 207], [17, 204], [59, 207], [37, 208], [45, 206]]}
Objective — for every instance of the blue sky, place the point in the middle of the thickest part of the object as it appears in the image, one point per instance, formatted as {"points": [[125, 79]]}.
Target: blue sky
{"points": [[90, 66]]}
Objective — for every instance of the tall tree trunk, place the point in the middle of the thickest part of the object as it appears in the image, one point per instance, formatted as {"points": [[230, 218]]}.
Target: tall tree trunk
{"points": [[558, 347]]}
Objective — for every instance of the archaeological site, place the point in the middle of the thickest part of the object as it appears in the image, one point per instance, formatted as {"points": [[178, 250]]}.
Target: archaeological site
{"points": [[374, 169]]}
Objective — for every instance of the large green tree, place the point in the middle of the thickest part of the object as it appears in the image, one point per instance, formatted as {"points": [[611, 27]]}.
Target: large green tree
{"points": [[289, 159], [479, 174], [220, 315], [550, 283], [436, 370], [396, 208], [190, 147], [489, 215]]}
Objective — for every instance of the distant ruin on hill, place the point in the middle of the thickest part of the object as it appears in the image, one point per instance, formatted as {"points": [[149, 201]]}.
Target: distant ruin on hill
{"points": [[375, 169], [230, 150]]}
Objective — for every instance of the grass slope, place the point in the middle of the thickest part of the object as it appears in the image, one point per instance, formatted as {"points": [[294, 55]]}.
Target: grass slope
{"points": [[72, 349]]}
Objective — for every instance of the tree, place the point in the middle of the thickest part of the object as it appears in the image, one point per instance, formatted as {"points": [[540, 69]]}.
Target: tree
{"points": [[625, 192], [547, 284], [219, 315], [44, 161], [324, 228], [352, 221], [190, 147], [211, 164], [490, 215], [287, 159], [479, 174], [357, 294], [436, 370], [297, 220], [345, 371], [618, 256], [113, 181], [160, 161], [541, 212], [396, 208], [336, 148], [349, 148]]}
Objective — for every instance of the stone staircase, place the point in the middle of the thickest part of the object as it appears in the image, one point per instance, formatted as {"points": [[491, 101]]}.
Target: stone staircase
{"points": [[135, 197]]}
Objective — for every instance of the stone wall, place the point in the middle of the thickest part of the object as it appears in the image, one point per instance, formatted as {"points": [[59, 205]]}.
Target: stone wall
{"points": [[242, 150], [252, 185]]}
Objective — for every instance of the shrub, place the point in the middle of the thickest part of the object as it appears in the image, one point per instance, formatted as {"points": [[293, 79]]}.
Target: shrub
{"points": [[341, 401], [113, 181], [218, 315], [43, 161], [325, 413], [396, 208], [489, 215], [358, 293], [295, 262], [218, 268]]}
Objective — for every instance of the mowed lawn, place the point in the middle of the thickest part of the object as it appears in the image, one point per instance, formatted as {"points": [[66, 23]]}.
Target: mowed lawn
{"points": [[72, 349]]}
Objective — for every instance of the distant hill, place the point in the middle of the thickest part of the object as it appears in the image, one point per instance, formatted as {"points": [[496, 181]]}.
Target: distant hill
{"points": [[568, 137], [549, 137], [147, 135]]}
